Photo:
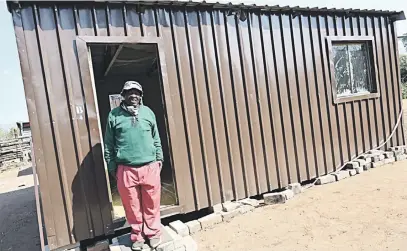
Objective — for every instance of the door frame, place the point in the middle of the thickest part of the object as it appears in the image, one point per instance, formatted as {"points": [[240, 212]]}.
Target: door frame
{"points": [[86, 71]]}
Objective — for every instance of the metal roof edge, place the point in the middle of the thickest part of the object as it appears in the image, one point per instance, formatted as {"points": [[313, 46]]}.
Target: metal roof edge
{"points": [[394, 15]]}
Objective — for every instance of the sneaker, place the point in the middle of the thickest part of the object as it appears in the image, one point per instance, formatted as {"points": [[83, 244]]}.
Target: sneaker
{"points": [[155, 242], [137, 246]]}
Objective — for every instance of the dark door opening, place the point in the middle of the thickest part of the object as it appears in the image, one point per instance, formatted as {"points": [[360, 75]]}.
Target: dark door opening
{"points": [[113, 65]]}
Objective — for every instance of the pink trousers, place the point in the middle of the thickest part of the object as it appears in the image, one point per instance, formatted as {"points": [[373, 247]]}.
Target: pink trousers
{"points": [[140, 190]]}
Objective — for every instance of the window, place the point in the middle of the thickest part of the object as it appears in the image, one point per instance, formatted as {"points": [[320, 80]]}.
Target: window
{"points": [[352, 68]]}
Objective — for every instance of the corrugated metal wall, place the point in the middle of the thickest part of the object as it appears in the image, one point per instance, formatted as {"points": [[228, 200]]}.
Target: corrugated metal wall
{"points": [[251, 100]]}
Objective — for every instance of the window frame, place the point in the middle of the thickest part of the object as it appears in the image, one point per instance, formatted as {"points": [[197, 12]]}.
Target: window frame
{"points": [[372, 62]]}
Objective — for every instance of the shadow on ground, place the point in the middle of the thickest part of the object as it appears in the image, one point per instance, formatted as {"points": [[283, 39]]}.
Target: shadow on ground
{"points": [[18, 221]]}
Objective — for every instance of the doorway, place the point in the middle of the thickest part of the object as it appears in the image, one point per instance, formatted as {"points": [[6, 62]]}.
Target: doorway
{"points": [[112, 65]]}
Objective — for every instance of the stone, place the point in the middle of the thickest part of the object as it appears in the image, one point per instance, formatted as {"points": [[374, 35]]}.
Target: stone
{"points": [[295, 187], [227, 216], [389, 160], [326, 179], [289, 194], [362, 162], [190, 244], [341, 175], [169, 246], [388, 155], [405, 151], [193, 226], [375, 152], [246, 208], [274, 198], [100, 246], [180, 249], [250, 202], [401, 157], [216, 208], [210, 220], [375, 158], [230, 206], [368, 166], [352, 164], [378, 164], [353, 172], [175, 239], [359, 170], [398, 152], [180, 228], [381, 157]]}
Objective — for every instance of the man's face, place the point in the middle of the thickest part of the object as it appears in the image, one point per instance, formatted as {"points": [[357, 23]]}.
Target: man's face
{"points": [[132, 97]]}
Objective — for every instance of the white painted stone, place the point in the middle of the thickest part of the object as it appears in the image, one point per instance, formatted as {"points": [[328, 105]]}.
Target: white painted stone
{"points": [[295, 187], [274, 198], [353, 172], [229, 206], [210, 220], [359, 170], [326, 179], [250, 202], [190, 244], [341, 175], [216, 208], [352, 164], [289, 194], [401, 157], [180, 228], [193, 226], [227, 216], [388, 155], [362, 162], [378, 164], [389, 160], [246, 208]]}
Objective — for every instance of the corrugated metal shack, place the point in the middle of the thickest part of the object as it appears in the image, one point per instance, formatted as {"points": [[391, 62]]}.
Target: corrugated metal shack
{"points": [[252, 98]]}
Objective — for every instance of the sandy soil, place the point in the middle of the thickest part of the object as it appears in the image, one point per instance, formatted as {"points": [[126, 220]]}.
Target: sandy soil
{"points": [[18, 216], [365, 212]]}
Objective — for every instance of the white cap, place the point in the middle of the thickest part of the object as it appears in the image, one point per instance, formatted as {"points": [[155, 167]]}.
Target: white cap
{"points": [[132, 85]]}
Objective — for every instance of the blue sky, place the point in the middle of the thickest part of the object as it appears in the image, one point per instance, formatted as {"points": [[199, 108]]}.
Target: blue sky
{"points": [[12, 99]]}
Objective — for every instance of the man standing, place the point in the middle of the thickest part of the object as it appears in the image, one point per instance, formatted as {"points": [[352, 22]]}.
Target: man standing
{"points": [[134, 157]]}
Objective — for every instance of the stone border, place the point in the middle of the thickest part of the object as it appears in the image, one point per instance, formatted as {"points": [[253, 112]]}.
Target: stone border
{"points": [[226, 211]]}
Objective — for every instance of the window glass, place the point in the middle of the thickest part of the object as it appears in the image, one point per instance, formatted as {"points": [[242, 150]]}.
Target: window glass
{"points": [[352, 68]]}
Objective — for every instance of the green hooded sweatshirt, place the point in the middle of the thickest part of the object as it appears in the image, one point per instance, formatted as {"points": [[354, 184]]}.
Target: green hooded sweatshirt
{"points": [[130, 143]]}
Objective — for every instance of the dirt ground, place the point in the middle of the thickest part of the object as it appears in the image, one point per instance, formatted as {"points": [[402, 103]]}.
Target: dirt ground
{"points": [[18, 216], [364, 212]]}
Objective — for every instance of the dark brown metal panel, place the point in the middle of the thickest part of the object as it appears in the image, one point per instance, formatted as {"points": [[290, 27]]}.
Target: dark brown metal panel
{"points": [[186, 183], [345, 124], [267, 173], [307, 162], [66, 24], [378, 125], [22, 36], [59, 226], [371, 103], [294, 125], [279, 97], [240, 119], [388, 84], [227, 98], [202, 108], [191, 124], [212, 77], [148, 21], [312, 93], [58, 103], [385, 128], [359, 29], [249, 82], [93, 174], [132, 20], [359, 129], [323, 130], [326, 27], [338, 109]]}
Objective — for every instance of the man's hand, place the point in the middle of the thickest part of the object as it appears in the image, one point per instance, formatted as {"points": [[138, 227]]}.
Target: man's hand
{"points": [[160, 164]]}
